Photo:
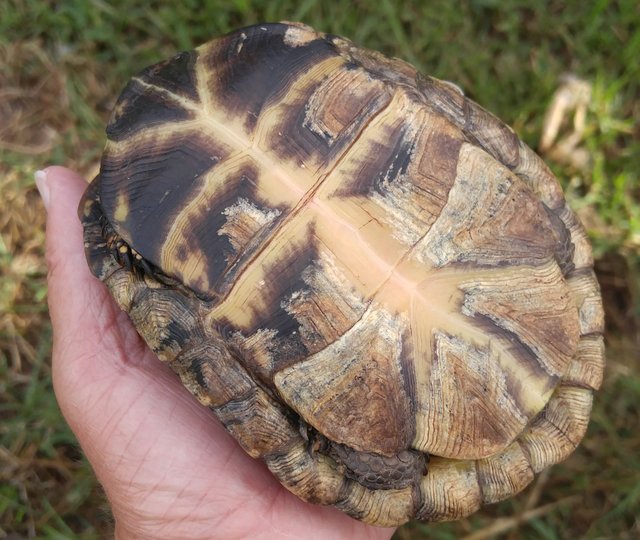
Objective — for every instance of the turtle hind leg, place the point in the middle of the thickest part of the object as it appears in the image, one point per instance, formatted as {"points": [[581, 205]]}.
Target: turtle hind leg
{"points": [[376, 471]]}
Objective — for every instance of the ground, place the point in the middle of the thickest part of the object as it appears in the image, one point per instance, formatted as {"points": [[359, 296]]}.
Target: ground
{"points": [[62, 65]]}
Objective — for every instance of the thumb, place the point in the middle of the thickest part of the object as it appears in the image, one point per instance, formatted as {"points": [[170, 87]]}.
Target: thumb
{"points": [[61, 190], [100, 364], [77, 300], [83, 316]]}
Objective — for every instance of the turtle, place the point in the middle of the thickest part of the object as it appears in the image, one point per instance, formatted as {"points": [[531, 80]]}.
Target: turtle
{"points": [[371, 281]]}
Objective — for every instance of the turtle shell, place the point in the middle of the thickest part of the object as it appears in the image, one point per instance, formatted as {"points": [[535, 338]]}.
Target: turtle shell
{"points": [[370, 280]]}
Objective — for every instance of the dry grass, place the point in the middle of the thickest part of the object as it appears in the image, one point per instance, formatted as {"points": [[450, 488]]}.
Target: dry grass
{"points": [[45, 483], [60, 70]]}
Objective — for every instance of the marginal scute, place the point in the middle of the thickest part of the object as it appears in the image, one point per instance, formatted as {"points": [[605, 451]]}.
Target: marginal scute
{"points": [[260, 424], [210, 373], [443, 99], [97, 250], [124, 287], [376, 287], [583, 257], [383, 508], [494, 136], [558, 429], [309, 475], [586, 293], [166, 319], [450, 491], [539, 177], [298, 34], [503, 474], [586, 367]]}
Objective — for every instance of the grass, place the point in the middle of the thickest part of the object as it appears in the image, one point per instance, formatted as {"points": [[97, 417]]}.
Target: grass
{"points": [[63, 63]]}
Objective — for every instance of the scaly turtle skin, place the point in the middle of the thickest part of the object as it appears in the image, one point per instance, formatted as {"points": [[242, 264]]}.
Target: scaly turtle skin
{"points": [[372, 282]]}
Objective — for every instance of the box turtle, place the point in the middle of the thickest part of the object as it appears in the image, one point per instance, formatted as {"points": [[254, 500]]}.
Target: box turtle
{"points": [[371, 281]]}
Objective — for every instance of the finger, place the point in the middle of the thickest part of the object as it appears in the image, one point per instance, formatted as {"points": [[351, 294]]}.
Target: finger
{"points": [[94, 342], [77, 300], [112, 391], [69, 279]]}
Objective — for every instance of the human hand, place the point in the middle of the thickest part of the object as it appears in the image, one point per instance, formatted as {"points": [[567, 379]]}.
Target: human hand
{"points": [[168, 467]]}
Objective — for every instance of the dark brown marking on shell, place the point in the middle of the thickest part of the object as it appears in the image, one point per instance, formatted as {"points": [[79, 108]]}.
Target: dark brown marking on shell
{"points": [[223, 260], [237, 262], [287, 278], [437, 164], [202, 238], [212, 374], [407, 366], [323, 310], [260, 424], [388, 158], [491, 134], [261, 351], [97, 251], [254, 66], [166, 319], [442, 98], [345, 101], [181, 253], [316, 127], [176, 75], [480, 126], [377, 471], [329, 116], [523, 354], [291, 139], [156, 179], [139, 107], [564, 248], [286, 346], [398, 161]]}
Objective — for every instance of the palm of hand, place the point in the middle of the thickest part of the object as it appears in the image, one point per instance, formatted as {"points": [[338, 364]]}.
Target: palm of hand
{"points": [[169, 468]]}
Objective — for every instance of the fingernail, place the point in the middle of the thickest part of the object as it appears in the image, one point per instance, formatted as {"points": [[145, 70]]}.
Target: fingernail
{"points": [[43, 187]]}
